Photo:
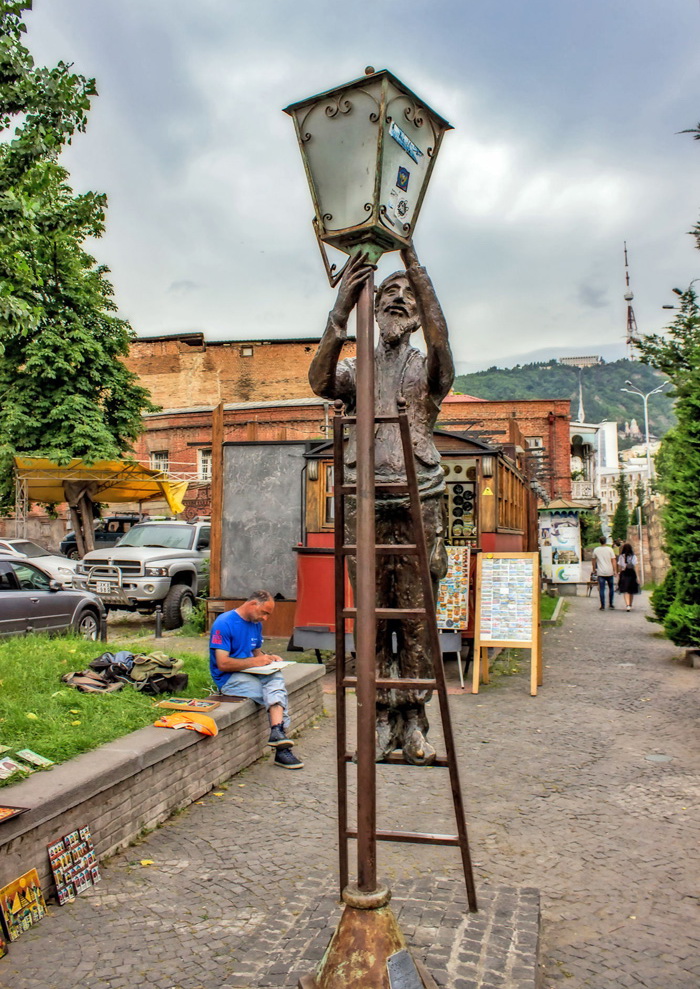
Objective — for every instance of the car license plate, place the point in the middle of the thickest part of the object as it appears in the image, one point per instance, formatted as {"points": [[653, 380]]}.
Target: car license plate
{"points": [[103, 587]]}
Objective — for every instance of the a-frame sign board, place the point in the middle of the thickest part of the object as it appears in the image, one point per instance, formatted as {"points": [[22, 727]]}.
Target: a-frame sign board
{"points": [[507, 611]]}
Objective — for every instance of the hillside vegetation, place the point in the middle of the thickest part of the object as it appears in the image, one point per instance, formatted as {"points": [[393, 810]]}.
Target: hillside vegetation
{"points": [[602, 398]]}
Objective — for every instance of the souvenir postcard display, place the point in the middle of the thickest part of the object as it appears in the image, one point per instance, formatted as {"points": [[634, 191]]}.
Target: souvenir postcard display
{"points": [[453, 592], [21, 904], [73, 864], [506, 600]]}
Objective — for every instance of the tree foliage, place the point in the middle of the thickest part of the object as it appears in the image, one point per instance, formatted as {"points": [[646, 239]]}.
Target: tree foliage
{"points": [[64, 392], [677, 354], [601, 389]]}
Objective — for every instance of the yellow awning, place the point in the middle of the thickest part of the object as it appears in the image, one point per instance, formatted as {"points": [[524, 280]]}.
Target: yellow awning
{"points": [[110, 481]]}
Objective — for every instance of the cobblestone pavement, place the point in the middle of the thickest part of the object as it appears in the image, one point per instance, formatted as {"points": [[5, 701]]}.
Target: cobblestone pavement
{"points": [[589, 792]]}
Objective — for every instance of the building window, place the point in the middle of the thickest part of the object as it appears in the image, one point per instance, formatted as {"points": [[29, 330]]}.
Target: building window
{"points": [[159, 460], [204, 465], [246, 351], [329, 506], [534, 442]]}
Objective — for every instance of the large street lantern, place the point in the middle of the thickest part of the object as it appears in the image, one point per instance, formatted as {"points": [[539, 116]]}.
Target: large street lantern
{"points": [[368, 148]]}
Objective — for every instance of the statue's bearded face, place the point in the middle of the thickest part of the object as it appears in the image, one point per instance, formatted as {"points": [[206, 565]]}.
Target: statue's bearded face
{"points": [[396, 310]]}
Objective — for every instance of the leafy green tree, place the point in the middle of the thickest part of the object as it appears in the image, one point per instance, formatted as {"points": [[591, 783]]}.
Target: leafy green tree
{"points": [[64, 392], [621, 518], [677, 354]]}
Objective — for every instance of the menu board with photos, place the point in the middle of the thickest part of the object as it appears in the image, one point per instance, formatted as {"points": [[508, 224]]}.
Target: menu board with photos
{"points": [[506, 599], [453, 593]]}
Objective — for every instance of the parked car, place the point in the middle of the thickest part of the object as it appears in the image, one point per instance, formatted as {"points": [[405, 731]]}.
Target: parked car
{"points": [[108, 532], [55, 564], [31, 601], [156, 563]]}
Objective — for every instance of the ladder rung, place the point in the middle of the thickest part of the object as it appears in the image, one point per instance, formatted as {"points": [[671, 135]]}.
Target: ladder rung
{"points": [[387, 487], [396, 683], [386, 549], [398, 759], [415, 837], [351, 419], [388, 612]]}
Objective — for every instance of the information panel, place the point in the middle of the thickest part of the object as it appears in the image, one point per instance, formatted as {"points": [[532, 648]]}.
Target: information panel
{"points": [[507, 611]]}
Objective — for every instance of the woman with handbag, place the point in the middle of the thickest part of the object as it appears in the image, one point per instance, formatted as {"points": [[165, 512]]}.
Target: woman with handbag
{"points": [[628, 584]]}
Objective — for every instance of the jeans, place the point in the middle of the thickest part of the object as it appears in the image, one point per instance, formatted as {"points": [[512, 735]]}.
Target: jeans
{"points": [[266, 690], [602, 581]]}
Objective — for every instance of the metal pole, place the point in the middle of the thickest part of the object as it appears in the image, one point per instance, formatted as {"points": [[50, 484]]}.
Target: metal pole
{"points": [[641, 544], [366, 620], [646, 434], [159, 623]]}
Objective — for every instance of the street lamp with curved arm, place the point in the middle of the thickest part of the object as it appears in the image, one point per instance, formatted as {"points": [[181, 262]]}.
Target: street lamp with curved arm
{"points": [[633, 390]]}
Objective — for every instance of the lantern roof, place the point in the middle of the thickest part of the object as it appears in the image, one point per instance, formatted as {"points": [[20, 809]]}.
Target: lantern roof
{"points": [[362, 80]]}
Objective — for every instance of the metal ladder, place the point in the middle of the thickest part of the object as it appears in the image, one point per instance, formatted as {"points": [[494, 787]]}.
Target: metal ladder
{"points": [[427, 610]]}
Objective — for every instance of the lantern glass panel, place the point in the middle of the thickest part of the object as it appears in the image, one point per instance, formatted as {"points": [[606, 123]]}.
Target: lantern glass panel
{"points": [[341, 149], [409, 141]]}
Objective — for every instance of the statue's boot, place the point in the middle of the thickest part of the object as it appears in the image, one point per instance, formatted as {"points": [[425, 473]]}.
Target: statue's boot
{"points": [[416, 748], [386, 736]]}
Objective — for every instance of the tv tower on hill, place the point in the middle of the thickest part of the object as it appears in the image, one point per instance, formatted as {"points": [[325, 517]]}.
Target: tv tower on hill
{"points": [[632, 333]]}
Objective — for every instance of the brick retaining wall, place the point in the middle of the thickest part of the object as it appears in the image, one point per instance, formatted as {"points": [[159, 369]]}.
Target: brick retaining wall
{"points": [[136, 782]]}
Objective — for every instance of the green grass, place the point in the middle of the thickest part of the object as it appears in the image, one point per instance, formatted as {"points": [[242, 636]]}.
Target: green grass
{"points": [[547, 606], [39, 712]]}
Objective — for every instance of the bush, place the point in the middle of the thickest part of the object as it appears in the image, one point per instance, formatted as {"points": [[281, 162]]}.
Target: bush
{"points": [[662, 597]]}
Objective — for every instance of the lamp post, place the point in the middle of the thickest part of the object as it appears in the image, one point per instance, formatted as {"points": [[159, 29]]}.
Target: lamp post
{"points": [[368, 148], [633, 390]]}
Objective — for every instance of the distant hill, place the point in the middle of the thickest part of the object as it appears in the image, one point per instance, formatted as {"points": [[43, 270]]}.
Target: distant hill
{"points": [[602, 398]]}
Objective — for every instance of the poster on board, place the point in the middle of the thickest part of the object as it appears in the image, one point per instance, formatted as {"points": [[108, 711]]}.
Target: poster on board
{"points": [[506, 600], [560, 546], [507, 611], [453, 593]]}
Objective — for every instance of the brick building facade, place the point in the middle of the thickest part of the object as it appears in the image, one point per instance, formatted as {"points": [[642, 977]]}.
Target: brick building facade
{"points": [[185, 370], [264, 385]]}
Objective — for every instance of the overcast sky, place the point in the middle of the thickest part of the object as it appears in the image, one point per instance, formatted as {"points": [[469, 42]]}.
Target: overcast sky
{"points": [[565, 145]]}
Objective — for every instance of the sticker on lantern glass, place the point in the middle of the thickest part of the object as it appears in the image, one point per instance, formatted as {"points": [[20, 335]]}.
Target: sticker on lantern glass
{"points": [[402, 178], [405, 141]]}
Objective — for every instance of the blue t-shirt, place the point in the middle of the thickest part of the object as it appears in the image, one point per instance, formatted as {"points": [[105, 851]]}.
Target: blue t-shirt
{"points": [[235, 636]]}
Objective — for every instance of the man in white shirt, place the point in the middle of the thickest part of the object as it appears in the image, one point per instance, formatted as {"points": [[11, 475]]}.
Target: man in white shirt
{"points": [[605, 565]]}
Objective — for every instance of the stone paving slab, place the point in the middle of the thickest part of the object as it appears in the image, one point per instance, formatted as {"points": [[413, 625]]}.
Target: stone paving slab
{"points": [[496, 947]]}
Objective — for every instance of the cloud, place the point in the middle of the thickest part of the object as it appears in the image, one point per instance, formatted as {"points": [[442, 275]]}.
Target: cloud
{"points": [[564, 146]]}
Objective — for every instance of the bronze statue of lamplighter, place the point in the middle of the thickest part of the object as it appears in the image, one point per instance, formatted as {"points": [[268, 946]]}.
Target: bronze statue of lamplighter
{"points": [[368, 149], [405, 302]]}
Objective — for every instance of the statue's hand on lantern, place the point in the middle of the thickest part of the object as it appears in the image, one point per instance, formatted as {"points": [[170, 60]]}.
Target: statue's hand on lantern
{"points": [[409, 257], [355, 275]]}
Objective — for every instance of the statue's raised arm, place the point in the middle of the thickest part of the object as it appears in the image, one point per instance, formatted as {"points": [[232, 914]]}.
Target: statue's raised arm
{"points": [[325, 378], [441, 371]]}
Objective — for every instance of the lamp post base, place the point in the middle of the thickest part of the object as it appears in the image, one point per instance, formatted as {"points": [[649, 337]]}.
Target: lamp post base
{"points": [[367, 950]]}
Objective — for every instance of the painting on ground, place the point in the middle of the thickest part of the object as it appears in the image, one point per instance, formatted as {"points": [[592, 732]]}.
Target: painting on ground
{"points": [[21, 904]]}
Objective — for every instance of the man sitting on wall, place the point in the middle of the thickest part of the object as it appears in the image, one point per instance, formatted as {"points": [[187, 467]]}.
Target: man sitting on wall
{"points": [[234, 646]]}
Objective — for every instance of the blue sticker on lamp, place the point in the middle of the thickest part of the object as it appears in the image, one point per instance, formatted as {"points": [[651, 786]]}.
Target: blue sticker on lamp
{"points": [[402, 178]]}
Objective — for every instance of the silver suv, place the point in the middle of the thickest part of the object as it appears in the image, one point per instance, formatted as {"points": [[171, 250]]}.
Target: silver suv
{"points": [[164, 563]]}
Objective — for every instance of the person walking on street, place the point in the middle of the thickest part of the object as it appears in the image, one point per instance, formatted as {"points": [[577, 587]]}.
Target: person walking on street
{"points": [[605, 564], [628, 584]]}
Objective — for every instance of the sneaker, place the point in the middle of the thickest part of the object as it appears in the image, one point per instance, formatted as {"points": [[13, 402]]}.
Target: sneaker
{"points": [[285, 759], [611, 606], [628, 608], [602, 608], [278, 739]]}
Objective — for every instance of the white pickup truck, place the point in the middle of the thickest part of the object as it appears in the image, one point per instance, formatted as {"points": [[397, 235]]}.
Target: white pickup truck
{"points": [[164, 563]]}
